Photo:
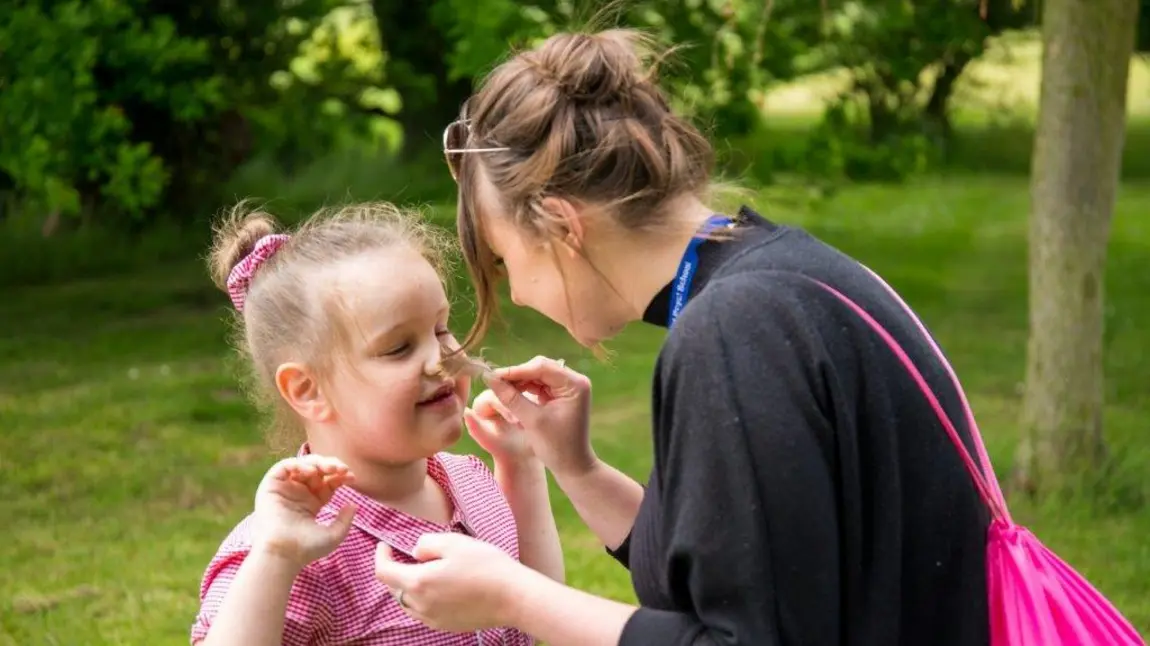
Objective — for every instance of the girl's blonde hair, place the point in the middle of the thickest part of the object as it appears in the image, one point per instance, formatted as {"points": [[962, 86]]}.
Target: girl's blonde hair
{"points": [[287, 313]]}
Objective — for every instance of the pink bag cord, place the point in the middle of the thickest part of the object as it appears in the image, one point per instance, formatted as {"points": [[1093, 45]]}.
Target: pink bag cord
{"points": [[1035, 598], [984, 479]]}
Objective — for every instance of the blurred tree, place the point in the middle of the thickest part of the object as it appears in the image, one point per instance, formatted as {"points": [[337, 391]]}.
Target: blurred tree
{"points": [[333, 95], [1087, 47], [417, 36], [68, 70], [728, 50], [734, 51], [904, 59], [997, 17], [121, 108], [1142, 42]]}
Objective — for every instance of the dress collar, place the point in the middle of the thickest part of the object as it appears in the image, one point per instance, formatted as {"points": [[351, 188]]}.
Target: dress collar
{"points": [[398, 529]]}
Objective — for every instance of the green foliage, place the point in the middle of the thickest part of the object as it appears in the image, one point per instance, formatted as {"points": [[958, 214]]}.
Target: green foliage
{"points": [[838, 148], [480, 31], [903, 59], [66, 69], [118, 109], [728, 51], [331, 94], [735, 50], [1142, 40]]}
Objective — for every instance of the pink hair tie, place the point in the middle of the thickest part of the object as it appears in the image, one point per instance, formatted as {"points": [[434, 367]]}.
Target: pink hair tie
{"points": [[241, 275]]}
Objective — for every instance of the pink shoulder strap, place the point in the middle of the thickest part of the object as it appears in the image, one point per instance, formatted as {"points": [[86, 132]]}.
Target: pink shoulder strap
{"points": [[983, 473]]}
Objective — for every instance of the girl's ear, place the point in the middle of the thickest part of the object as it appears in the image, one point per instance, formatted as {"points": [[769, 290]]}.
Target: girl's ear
{"points": [[301, 390]]}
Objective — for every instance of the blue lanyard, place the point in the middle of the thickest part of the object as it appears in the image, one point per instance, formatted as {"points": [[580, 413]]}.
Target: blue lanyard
{"points": [[687, 267]]}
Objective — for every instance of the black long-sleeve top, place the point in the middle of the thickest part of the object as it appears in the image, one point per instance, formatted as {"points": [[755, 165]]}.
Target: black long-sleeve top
{"points": [[803, 492]]}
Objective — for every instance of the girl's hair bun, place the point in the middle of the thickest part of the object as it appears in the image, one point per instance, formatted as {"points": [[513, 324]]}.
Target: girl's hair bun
{"points": [[234, 238]]}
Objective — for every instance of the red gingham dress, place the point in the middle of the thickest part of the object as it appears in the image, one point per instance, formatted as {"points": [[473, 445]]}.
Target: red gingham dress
{"points": [[338, 600]]}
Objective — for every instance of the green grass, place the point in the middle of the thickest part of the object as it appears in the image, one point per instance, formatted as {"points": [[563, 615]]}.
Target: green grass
{"points": [[128, 453]]}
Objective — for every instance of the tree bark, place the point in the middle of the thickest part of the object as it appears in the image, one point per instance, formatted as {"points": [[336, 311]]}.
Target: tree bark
{"points": [[1076, 164], [936, 113]]}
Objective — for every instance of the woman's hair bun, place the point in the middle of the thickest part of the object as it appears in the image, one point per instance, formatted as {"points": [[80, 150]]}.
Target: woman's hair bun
{"points": [[235, 235], [602, 67]]}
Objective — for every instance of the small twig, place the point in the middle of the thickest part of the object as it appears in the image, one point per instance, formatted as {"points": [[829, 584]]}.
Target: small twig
{"points": [[768, 8]]}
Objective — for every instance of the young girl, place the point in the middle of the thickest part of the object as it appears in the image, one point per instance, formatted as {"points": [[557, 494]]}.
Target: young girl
{"points": [[345, 325]]}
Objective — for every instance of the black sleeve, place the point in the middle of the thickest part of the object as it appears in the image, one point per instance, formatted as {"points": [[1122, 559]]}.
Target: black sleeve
{"points": [[622, 554], [743, 453]]}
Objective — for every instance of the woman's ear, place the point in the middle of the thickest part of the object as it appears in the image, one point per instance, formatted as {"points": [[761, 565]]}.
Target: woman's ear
{"points": [[301, 390], [566, 222]]}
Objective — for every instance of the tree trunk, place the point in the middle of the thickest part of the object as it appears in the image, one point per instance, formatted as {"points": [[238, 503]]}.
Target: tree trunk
{"points": [[936, 113], [1077, 156]]}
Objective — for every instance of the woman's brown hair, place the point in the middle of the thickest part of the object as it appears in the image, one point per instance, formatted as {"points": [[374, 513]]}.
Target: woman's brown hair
{"points": [[581, 117]]}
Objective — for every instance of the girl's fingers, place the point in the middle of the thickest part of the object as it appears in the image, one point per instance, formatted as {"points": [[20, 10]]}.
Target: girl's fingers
{"points": [[337, 480], [476, 427], [329, 465], [308, 474], [280, 471], [313, 461], [317, 473], [488, 407]]}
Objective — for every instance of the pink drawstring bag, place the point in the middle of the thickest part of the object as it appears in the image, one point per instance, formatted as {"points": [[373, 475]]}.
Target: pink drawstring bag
{"points": [[1036, 599]]}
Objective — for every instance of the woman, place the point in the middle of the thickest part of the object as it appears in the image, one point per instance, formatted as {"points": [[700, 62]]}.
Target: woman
{"points": [[803, 490]]}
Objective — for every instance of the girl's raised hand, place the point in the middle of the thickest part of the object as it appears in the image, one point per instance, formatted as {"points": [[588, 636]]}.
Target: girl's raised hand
{"points": [[288, 498], [496, 430]]}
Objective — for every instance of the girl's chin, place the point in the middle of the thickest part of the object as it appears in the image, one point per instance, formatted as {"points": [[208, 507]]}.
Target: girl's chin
{"points": [[454, 432]]}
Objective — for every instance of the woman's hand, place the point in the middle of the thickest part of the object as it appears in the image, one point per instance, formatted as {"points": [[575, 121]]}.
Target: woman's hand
{"points": [[461, 584], [497, 431], [552, 403], [290, 495]]}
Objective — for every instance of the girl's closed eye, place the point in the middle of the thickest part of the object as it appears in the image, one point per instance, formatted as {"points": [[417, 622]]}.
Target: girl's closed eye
{"points": [[402, 348], [396, 351]]}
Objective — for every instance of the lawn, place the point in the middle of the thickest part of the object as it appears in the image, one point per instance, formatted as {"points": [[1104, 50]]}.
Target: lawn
{"points": [[128, 452]]}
